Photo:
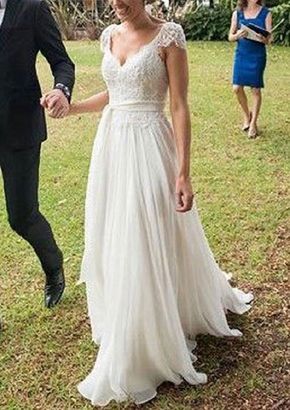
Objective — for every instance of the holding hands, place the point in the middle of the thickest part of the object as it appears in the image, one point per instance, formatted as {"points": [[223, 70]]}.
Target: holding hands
{"points": [[56, 104]]}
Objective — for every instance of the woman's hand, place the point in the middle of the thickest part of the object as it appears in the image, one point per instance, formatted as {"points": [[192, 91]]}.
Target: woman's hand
{"points": [[264, 40], [235, 34], [56, 104], [184, 194], [241, 34]]}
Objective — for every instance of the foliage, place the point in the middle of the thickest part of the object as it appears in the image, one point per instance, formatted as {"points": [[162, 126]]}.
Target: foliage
{"points": [[207, 23], [73, 18], [273, 3], [200, 22], [282, 34], [67, 16]]}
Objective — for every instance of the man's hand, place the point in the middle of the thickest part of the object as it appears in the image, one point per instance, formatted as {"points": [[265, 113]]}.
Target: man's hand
{"points": [[56, 104]]}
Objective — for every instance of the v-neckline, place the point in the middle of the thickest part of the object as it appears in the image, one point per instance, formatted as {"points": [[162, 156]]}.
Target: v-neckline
{"points": [[140, 49], [256, 16]]}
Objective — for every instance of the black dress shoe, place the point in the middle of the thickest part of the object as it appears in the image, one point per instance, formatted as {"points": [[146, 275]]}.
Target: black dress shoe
{"points": [[54, 288]]}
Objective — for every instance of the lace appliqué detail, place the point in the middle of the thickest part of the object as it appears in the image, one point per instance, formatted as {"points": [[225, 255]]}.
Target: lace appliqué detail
{"points": [[143, 76], [171, 34], [106, 38]]}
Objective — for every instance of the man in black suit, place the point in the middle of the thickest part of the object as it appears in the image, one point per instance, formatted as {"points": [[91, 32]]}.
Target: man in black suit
{"points": [[27, 28]]}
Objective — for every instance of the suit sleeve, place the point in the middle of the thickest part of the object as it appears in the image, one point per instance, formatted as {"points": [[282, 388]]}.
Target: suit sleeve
{"points": [[51, 46]]}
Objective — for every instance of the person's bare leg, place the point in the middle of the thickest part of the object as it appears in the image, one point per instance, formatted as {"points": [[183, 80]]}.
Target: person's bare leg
{"points": [[243, 101], [257, 102]]}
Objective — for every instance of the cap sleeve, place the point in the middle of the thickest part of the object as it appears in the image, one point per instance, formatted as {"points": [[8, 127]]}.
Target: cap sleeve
{"points": [[172, 34], [105, 38]]}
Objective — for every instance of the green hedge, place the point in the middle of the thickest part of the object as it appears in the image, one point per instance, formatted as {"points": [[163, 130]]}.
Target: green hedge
{"points": [[208, 23], [213, 23], [273, 3], [282, 34]]}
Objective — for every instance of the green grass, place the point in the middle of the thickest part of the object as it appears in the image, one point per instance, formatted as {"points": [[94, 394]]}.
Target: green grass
{"points": [[243, 199]]}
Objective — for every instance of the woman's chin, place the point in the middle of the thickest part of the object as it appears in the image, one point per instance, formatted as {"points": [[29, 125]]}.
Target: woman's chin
{"points": [[124, 14]]}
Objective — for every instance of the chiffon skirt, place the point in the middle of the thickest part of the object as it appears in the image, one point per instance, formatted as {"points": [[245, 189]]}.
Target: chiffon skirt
{"points": [[151, 279]]}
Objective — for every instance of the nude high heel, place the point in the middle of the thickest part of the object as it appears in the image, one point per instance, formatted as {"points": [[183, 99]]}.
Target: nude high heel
{"points": [[247, 127], [253, 132]]}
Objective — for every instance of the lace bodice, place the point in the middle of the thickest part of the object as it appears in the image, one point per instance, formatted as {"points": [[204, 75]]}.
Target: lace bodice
{"points": [[143, 76]]}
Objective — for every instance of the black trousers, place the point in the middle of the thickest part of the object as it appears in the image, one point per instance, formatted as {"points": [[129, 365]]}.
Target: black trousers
{"points": [[20, 170]]}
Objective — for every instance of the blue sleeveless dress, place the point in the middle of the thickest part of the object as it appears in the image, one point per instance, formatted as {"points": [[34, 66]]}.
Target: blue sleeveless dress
{"points": [[250, 56]]}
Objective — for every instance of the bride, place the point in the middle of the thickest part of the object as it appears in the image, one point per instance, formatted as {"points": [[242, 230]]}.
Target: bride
{"points": [[152, 282]]}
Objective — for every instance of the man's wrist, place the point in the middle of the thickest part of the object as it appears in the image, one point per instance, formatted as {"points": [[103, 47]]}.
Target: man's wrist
{"points": [[64, 89]]}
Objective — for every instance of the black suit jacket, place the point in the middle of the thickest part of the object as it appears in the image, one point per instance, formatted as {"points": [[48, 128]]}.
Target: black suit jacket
{"points": [[28, 27]]}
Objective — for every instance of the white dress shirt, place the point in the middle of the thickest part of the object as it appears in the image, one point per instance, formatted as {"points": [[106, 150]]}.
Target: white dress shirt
{"points": [[2, 10]]}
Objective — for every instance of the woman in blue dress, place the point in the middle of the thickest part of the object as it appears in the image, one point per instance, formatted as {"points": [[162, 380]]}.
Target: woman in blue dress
{"points": [[250, 59]]}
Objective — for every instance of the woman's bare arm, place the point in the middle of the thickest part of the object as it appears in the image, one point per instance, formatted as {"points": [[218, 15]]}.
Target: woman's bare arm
{"points": [[96, 103], [177, 68], [234, 33], [269, 26], [234, 27]]}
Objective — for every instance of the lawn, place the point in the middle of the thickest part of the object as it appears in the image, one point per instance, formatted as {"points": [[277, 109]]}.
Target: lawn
{"points": [[243, 198]]}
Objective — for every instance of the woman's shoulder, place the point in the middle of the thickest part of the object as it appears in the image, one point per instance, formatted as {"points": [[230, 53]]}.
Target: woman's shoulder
{"points": [[108, 30], [172, 26], [172, 33], [238, 12], [266, 10], [106, 35], [264, 13]]}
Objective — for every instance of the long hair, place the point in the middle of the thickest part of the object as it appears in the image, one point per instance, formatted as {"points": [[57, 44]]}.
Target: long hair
{"points": [[242, 4]]}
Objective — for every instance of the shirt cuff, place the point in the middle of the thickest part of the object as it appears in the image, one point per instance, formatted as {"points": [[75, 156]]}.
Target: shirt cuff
{"points": [[64, 89]]}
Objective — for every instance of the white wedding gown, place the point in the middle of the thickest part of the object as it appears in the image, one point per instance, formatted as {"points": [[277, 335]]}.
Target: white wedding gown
{"points": [[152, 282]]}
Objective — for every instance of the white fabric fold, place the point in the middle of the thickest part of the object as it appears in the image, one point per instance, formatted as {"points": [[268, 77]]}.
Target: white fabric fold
{"points": [[152, 282]]}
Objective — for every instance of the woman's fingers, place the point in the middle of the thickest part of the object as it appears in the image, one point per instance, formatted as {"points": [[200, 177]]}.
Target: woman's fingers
{"points": [[184, 194], [188, 201], [179, 201], [58, 113], [48, 100], [59, 109], [43, 101], [242, 33], [54, 102], [184, 202]]}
